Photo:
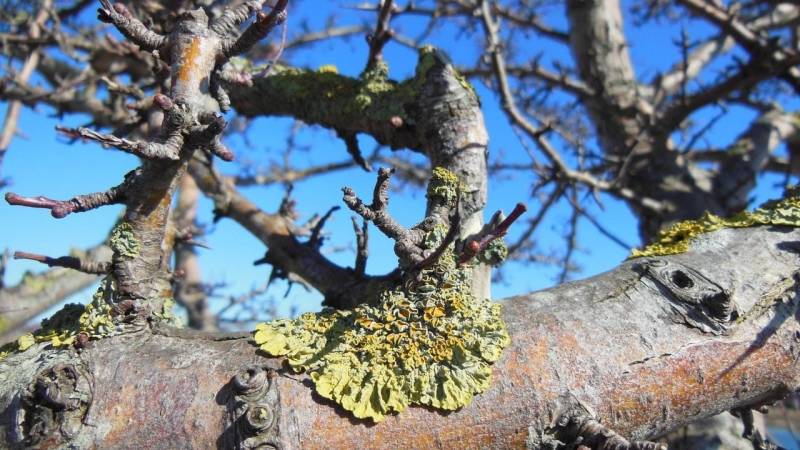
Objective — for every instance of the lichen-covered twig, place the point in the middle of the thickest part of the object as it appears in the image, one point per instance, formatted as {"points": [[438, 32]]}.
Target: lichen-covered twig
{"points": [[70, 262], [377, 212], [410, 248], [119, 15]]}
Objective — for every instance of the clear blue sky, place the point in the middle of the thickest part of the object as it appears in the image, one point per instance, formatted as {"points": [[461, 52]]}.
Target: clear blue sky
{"points": [[42, 163]]}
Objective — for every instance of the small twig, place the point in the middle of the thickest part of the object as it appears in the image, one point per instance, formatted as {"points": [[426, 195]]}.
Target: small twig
{"points": [[351, 141], [572, 242], [263, 24], [60, 209], [383, 33], [362, 239], [315, 241], [377, 212], [751, 432], [130, 27], [287, 207], [3, 265], [479, 244], [70, 262], [149, 150]]}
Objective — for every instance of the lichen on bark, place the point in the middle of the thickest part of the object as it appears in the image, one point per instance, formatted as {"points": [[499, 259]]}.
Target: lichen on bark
{"points": [[427, 340], [677, 238], [75, 324]]}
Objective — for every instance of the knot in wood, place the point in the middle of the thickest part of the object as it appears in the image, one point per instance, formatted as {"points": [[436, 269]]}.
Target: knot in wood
{"points": [[694, 299], [254, 409]]}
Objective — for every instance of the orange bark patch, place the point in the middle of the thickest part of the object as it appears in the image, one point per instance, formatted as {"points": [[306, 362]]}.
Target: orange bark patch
{"points": [[189, 60]]}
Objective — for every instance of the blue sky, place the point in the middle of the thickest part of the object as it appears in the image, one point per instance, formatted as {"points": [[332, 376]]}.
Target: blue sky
{"points": [[42, 163]]}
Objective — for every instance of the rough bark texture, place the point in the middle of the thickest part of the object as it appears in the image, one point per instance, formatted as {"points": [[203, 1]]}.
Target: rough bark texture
{"points": [[646, 347]]}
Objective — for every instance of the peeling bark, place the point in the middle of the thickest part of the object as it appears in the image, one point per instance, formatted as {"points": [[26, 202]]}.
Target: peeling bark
{"points": [[617, 346]]}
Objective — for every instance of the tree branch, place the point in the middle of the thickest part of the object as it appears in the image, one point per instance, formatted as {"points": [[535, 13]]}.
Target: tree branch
{"points": [[615, 344]]}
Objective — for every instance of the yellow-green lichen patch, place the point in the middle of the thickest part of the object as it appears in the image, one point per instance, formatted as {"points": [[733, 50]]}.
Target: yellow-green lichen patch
{"points": [[123, 241], [443, 185], [328, 68], [95, 320], [429, 342], [676, 239]]}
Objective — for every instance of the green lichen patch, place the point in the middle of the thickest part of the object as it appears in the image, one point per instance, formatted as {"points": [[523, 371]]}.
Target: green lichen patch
{"points": [[444, 186], [676, 239], [429, 342], [123, 241], [494, 253], [426, 341], [95, 320]]}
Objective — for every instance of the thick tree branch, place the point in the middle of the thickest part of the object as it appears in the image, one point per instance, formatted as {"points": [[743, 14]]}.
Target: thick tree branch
{"points": [[614, 349], [341, 287], [748, 155]]}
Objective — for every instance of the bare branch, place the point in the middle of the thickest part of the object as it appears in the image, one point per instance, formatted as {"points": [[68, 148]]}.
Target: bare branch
{"points": [[81, 203], [362, 245], [130, 27], [69, 262], [382, 34], [9, 128], [377, 212], [232, 17], [316, 238], [263, 24], [169, 149], [351, 141]]}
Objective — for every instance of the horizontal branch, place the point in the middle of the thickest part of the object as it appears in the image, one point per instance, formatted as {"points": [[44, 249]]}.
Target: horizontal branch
{"points": [[331, 100], [341, 286], [627, 353]]}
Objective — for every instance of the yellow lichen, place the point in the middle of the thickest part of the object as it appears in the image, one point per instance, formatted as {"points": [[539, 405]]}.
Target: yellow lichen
{"points": [[328, 68], [428, 341], [422, 346], [676, 239], [95, 320], [123, 241]]}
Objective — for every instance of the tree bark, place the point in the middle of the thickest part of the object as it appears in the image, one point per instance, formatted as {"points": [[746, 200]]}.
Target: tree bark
{"points": [[649, 346]]}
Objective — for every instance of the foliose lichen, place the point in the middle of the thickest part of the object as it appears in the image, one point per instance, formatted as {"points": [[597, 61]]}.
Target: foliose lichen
{"points": [[95, 320], [428, 341], [123, 241], [677, 238]]}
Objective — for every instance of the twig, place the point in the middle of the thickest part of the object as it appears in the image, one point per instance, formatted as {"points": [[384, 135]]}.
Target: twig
{"points": [[70, 262], [60, 209], [481, 242], [383, 33], [362, 247], [315, 241]]}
